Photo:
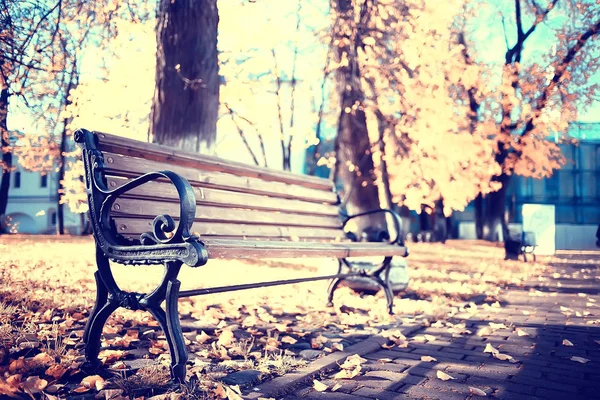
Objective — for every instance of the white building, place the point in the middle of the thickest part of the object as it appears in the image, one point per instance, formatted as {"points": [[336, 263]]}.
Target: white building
{"points": [[33, 203]]}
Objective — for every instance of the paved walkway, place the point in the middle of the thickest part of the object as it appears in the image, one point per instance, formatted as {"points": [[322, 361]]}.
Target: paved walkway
{"points": [[535, 324]]}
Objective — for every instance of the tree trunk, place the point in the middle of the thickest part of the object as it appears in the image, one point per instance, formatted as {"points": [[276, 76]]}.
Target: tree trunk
{"points": [[354, 163], [494, 221], [6, 153], [60, 213], [440, 228], [479, 216], [186, 99]]}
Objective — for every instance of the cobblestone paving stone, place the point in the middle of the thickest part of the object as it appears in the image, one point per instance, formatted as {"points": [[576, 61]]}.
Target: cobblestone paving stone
{"points": [[539, 316]]}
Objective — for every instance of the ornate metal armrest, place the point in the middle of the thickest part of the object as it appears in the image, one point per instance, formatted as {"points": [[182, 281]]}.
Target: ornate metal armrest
{"points": [[397, 222], [168, 241]]}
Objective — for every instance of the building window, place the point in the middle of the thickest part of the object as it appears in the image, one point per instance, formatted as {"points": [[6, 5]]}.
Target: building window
{"points": [[53, 218], [553, 186], [44, 181], [17, 179]]}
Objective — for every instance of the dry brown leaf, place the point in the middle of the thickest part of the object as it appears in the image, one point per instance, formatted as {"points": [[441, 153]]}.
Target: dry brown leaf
{"points": [[319, 386], [93, 382], [233, 392], [337, 346], [225, 338], [16, 365], [388, 346], [485, 331], [56, 371], [119, 365], [490, 349], [504, 357], [110, 356], [348, 373], [81, 389], [220, 391], [521, 332], [202, 337], [567, 342], [385, 360], [477, 392], [443, 376], [43, 358], [353, 361], [34, 384], [494, 325], [428, 358], [288, 340], [429, 338], [579, 359], [336, 387]]}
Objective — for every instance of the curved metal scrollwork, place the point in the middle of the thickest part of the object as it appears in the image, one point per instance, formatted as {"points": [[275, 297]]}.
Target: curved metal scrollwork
{"points": [[168, 240]]}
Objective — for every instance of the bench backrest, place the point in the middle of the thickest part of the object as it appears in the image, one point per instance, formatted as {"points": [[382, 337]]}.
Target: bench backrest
{"points": [[234, 200]]}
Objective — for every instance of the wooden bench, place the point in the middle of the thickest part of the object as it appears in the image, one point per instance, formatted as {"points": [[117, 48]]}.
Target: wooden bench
{"points": [[198, 208]]}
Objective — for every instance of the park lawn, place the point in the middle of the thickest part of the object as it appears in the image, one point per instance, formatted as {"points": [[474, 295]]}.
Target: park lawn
{"points": [[47, 289]]}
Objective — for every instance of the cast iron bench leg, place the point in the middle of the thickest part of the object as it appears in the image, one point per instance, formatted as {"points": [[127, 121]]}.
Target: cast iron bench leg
{"points": [[103, 307], [384, 283]]}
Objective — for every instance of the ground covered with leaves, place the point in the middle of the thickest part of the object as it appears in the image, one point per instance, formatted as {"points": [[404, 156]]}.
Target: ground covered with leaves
{"points": [[234, 339]]}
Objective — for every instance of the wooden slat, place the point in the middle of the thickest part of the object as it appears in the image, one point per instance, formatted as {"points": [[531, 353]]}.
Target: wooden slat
{"points": [[133, 167], [205, 213], [138, 226], [166, 191], [226, 249], [165, 154]]}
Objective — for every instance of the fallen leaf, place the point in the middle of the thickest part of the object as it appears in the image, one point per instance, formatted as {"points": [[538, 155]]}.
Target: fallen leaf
{"points": [[477, 392], [579, 359], [337, 346], [110, 356], [428, 358], [348, 373], [494, 325], [43, 358], [521, 332], [353, 361], [225, 338], [490, 349], [119, 365], [336, 387], [319, 386], [485, 331], [233, 392], [93, 382], [504, 357], [34, 384], [444, 376], [385, 360], [429, 338], [288, 340], [56, 371], [202, 337], [567, 342]]}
